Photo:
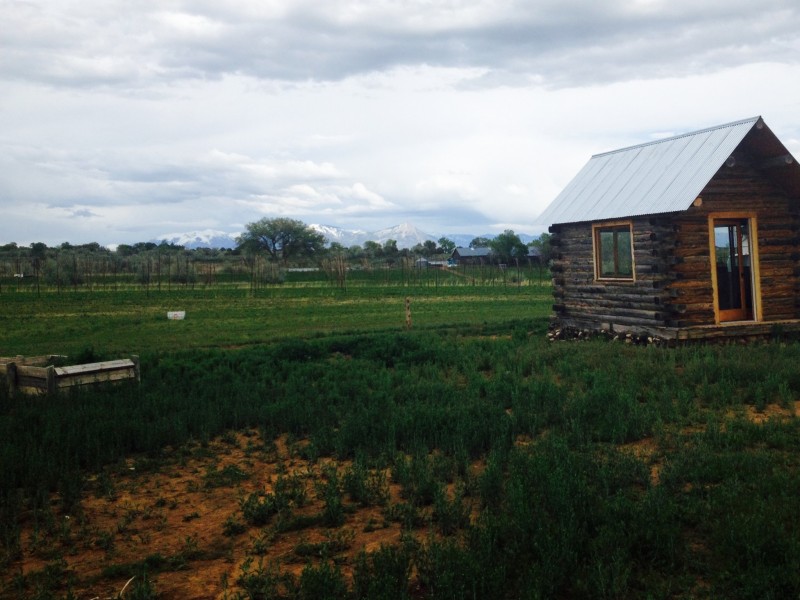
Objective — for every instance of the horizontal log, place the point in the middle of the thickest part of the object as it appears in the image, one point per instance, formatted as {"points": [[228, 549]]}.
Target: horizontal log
{"points": [[770, 226], [693, 307], [688, 284], [791, 241], [631, 290], [612, 319], [612, 304], [683, 305]]}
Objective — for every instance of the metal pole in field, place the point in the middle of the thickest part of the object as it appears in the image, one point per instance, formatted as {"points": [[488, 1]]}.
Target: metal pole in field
{"points": [[408, 312]]}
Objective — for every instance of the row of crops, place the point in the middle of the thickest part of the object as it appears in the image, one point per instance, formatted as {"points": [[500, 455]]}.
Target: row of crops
{"points": [[567, 507], [262, 274]]}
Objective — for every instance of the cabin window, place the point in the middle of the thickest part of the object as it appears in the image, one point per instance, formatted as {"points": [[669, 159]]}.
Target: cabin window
{"points": [[613, 246]]}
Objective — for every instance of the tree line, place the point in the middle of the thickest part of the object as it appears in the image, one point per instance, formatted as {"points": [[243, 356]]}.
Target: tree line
{"points": [[285, 239], [266, 246]]}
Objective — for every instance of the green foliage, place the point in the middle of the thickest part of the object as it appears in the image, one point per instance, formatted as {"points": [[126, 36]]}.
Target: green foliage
{"points": [[228, 476], [232, 527], [383, 574], [258, 509], [519, 456], [367, 487], [262, 581], [281, 238], [142, 588], [507, 246], [330, 493], [322, 582], [450, 514]]}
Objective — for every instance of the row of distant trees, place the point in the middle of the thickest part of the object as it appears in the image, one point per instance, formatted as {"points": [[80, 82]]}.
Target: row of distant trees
{"points": [[287, 239], [280, 242]]}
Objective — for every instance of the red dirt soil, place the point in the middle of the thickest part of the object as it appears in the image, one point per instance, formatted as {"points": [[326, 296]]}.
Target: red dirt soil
{"points": [[171, 510]]}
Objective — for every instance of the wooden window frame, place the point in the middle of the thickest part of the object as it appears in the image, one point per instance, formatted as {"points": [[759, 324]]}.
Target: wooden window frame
{"points": [[597, 229]]}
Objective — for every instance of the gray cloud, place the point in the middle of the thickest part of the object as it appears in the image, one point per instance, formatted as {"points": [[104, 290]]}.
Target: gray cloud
{"points": [[109, 44]]}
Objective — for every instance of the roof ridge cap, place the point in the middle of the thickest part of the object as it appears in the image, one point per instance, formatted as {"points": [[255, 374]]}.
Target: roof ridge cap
{"points": [[754, 120]]}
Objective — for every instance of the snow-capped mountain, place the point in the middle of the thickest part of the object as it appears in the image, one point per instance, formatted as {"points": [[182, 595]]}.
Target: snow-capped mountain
{"points": [[345, 237], [207, 238], [406, 235]]}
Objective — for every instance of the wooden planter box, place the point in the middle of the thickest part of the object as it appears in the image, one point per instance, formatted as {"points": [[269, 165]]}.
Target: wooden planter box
{"points": [[32, 375]]}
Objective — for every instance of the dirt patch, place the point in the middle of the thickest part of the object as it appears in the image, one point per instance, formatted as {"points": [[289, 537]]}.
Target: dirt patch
{"points": [[771, 411], [182, 516], [645, 450]]}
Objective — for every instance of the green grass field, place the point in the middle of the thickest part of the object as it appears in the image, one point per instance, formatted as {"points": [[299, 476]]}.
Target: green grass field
{"points": [[125, 322], [606, 470]]}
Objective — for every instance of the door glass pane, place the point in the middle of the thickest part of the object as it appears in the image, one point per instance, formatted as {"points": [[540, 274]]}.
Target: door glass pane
{"points": [[747, 277], [726, 243]]}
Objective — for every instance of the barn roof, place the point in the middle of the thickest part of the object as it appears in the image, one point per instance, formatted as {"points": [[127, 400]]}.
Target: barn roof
{"points": [[472, 252], [666, 175]]}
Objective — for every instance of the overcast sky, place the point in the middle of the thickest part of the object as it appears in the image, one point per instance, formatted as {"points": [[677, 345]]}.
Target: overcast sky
{"points": [[121, 121]]}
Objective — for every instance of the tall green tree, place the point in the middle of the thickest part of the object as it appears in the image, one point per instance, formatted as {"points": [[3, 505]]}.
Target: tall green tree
{"points": [[373, 249], [390, 249], [542, 244], [447, 245], [282, 239], [428, 248], [480, 242], [507, 246]]}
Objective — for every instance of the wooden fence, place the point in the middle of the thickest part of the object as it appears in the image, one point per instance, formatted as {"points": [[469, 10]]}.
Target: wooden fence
{"points": [[32, 375]]}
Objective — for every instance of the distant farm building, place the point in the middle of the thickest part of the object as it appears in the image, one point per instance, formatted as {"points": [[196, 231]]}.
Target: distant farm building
{"points": [[534, 255], [472, 256], [424, 263], [695, 236]]}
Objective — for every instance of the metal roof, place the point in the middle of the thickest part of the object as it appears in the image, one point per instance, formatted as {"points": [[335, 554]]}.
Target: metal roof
{"points": [[473, 252], [658, 177]]}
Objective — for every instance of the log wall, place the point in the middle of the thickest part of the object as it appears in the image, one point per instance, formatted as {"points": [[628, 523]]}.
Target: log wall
{"points": [[583, 302]]}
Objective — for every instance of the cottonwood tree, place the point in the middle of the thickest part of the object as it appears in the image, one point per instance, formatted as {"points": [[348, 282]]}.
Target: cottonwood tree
{"points": [[282, 239], [447, 245], [480, 242], [542, 244], [508, 246]]}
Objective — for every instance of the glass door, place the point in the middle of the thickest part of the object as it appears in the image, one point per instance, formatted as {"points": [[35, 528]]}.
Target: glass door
{"points": [[734, 269]]}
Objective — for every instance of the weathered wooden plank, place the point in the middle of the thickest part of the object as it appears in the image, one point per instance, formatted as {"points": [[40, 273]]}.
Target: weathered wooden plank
{"points": [[29, 371], [33, 379], [66, 381], [94, 367]]}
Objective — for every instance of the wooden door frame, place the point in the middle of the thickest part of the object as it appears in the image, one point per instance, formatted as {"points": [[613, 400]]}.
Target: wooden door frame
{"points": [[755, 287]]}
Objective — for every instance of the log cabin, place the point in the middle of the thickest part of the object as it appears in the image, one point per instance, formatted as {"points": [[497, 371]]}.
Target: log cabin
{"points": [[692, 237]]}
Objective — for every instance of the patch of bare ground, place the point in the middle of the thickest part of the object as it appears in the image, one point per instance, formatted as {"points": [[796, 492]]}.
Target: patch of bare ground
{"points": [[772, 411], [179, 515], [645, 450]]}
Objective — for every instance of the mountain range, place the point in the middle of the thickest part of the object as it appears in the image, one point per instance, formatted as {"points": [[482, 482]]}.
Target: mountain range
{"points": [[406, 235]]}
